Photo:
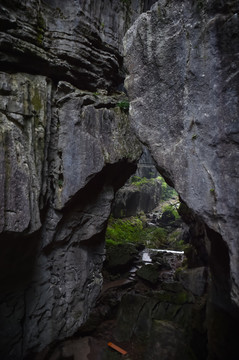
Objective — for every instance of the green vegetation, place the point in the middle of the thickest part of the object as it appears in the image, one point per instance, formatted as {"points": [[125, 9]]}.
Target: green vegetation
{"points": [[138, 181], [60, 183], [59, 13], [41, 27], [167, 191], [134, 230], [194, 137], [172, 208], [124, 230], [200, 4], [123, 105]]}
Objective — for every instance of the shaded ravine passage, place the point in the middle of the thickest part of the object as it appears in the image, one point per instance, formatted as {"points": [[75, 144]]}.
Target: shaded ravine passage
{"points": [[149, 301], [127, 312], [171, 317], [194, 131]]}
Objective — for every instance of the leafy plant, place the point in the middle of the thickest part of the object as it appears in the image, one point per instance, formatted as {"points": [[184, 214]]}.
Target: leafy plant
{"points": [[138, 181], [124, 105], [172, 209]]}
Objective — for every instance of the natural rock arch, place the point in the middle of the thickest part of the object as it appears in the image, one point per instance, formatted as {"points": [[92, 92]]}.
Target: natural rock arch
{"points": [[51, 94]]}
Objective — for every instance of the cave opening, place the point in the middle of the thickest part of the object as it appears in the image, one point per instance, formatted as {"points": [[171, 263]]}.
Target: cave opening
{"points": [[154, 283], [144, 221]]}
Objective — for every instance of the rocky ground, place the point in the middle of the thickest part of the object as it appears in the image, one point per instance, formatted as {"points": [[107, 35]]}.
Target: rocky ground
{"points": [[149, 307]]}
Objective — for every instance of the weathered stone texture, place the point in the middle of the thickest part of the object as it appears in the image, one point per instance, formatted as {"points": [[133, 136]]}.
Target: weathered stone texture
{"points": [[131, 199], [66, 147], [71, 179], [182, 58], [183, 86], [75, 41], [23, 116]]}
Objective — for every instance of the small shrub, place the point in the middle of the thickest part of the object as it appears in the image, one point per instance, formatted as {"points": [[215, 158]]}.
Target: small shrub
{"points": [[172, 209], [124, 105], [138, 181]]}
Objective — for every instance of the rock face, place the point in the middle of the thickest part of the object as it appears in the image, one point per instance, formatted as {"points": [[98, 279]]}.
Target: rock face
{"points": [[182, 58], [146, 166], [132, 199], [59, 175], [77, 42], [66, 147]]}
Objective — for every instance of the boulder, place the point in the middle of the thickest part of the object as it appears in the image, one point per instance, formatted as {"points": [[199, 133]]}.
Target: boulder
{"points": [[120, 258], [149, 272]]}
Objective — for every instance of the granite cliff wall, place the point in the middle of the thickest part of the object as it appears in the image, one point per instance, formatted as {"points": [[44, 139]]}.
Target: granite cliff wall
{"points": [[182, 58], [66, 147]]}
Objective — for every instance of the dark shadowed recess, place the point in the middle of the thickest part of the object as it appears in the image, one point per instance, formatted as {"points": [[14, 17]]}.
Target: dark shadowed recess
{"points": [[222, 315], [83, 79], [17, 258], [114, 175]]}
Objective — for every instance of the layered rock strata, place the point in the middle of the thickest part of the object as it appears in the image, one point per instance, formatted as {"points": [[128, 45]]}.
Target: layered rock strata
{"points": [[182, 58], [66, 147]]}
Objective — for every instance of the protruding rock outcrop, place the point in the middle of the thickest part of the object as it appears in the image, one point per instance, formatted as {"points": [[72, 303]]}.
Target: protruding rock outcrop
{"points": [[78, 42], [66, 147], [182, 59]]}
